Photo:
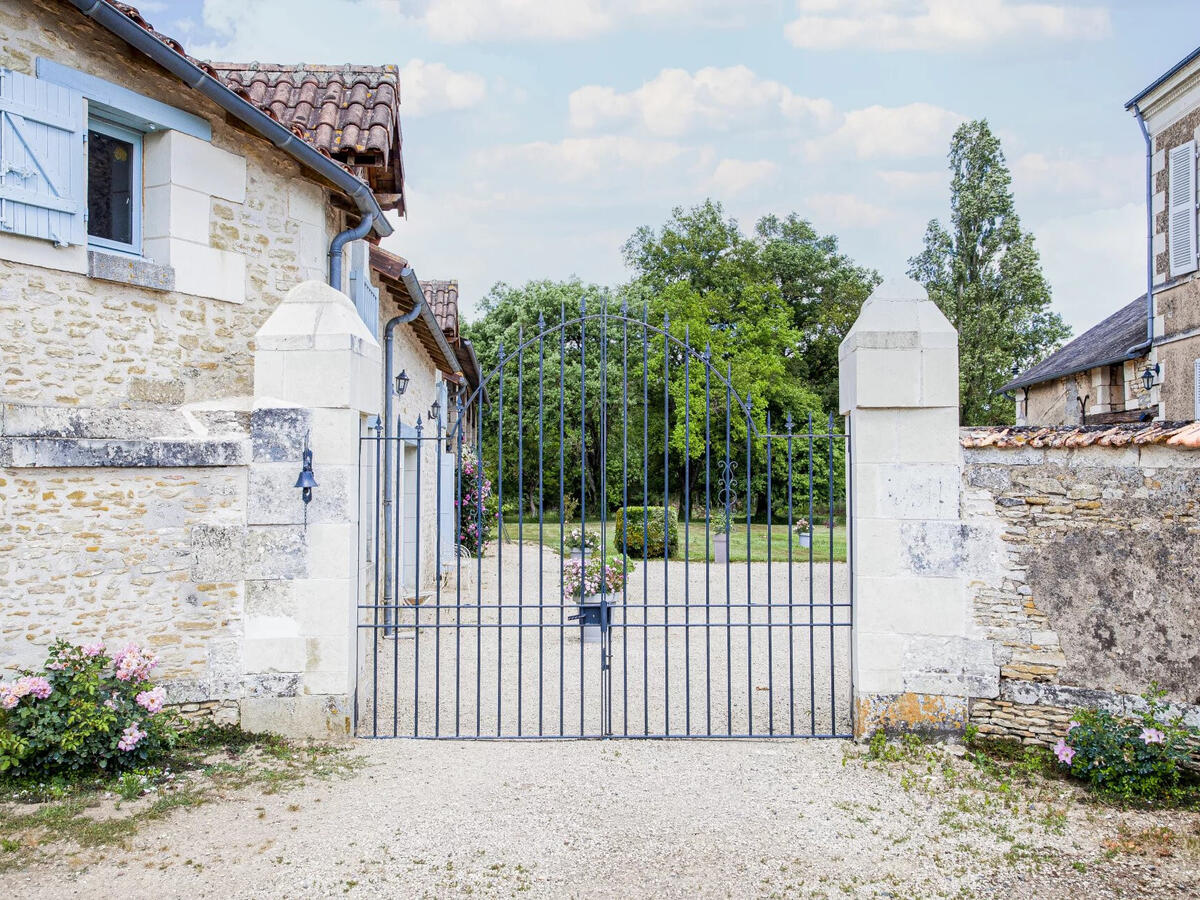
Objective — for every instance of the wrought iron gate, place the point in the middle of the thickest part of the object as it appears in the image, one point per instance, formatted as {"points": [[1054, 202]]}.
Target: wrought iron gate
{"points": [[738, 629]]}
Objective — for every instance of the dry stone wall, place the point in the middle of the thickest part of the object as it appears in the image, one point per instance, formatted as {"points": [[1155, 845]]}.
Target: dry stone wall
{"points": [[1097, 596]]}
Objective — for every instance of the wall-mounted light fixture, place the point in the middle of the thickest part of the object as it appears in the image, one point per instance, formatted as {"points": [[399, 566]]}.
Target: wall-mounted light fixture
{"points": [[1149, 375], [306, 482], [435, 412], [402, 382]]}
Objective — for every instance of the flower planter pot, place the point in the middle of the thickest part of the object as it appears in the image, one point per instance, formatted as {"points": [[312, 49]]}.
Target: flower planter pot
{"points": [[589, 618], [805, 539], [721, 548], [577, 552]]}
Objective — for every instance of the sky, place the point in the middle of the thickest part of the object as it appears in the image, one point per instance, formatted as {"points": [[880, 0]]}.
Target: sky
{"points": [[539, 134]]}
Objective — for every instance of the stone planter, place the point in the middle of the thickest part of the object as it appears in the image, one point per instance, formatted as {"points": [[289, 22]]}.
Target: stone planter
{"points": [[805, 538], [721, 547], [589, 619]]}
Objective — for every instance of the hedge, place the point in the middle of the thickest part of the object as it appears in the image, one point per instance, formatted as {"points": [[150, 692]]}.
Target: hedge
{"points": [[638, 544]]}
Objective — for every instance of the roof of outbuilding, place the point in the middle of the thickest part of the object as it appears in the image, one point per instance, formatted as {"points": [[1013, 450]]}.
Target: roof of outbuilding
{"points": [[395, 274], [442, 297], [350, 112], [1102, 344]]}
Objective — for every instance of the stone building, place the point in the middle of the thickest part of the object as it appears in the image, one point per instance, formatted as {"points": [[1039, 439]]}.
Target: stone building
{"points": [[1142, 362], [190, 298]]}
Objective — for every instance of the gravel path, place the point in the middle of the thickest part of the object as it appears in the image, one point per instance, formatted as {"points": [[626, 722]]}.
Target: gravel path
{"points": [[636, 819], [748, 650]]}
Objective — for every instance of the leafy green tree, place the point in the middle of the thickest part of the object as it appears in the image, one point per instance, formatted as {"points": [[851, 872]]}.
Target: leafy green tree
{"points": [[985, 274]]}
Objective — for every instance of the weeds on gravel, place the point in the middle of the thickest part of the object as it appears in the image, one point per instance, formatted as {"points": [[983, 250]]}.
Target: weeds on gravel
{"points": [[98, 811]]}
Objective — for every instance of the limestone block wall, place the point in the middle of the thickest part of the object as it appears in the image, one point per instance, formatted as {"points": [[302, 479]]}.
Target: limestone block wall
{"points": [[73, 340], [1095, 595]]}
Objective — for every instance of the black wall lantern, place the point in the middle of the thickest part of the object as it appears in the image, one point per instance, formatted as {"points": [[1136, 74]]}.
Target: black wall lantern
{"points": [[402, 382], [435, 412], [1148, 376], [306, 482]]}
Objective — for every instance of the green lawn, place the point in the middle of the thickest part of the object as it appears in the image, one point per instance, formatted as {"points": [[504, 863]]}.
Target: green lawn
{"points": [[737, 541]]}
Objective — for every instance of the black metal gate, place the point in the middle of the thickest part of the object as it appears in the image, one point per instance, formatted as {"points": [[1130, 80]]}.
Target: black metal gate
{"points": [[738, 626]]}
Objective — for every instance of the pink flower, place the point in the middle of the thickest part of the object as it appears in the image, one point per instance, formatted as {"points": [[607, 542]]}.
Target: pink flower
{"points": [[8, 699], [152, 701], [130, 737], [93, 649], [1153, 736], [1064, 751], [1071, 726], [39, 687], [134, 664]]}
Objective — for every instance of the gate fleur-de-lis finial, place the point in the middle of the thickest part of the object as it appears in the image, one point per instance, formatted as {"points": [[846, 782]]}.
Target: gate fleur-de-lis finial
{"points": [[788, 423], [541, 322]]}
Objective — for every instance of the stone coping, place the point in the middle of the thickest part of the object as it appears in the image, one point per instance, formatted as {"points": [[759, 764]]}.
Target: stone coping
{"points": [[1181, 435]]}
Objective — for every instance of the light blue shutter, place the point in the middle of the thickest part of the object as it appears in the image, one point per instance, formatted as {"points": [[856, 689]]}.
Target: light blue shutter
{"points": [[364, 294], [43, 186], [1181, 217]]}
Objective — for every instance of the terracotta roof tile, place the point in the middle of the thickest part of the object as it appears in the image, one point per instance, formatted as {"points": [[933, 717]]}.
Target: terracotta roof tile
{"points": [[1183, 435], [442, 297], [349, 112]]}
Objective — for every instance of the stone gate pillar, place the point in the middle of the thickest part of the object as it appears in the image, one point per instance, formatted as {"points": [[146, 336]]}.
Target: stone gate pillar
{"points": [[317, 374], [916, 661]]}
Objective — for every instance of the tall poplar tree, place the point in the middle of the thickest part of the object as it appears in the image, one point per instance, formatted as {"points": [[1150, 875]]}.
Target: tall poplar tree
{"points": [[985, 274]]}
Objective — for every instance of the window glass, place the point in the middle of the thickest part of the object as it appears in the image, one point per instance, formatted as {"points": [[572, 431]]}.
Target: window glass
{"points": [[114, 191]]}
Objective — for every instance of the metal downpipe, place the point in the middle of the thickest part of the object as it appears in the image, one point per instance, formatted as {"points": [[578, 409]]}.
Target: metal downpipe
{"points": [[389, 366], [1138, 349], [340, 240]]}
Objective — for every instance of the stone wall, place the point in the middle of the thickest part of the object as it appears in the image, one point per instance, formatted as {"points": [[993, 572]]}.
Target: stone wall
{"points": [[1095, 594]]}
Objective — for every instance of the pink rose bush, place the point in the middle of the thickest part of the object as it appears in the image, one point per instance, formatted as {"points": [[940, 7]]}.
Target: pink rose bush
{"points": [[476, 505], [85, 712], [1133, 760]]}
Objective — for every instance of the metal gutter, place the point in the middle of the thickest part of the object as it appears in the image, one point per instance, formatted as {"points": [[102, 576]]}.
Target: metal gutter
{"points": [[1164, 77], [111, 18]]}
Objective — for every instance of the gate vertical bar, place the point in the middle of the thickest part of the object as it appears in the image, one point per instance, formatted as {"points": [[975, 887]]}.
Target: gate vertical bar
{"points": [[645, 515], [605, 670], [500, 549], [479, 482], [437, 581], [624, 514], [749, 590], [832, 667], [379, 554], [707, 541], [397, 480], [812, 669], [458, 530], [520, 521], [790, 632], [417, 588], [770, 635], [541, 515], [728, 479], [582, 479], [687, 511], [666, 525], [562, 482]]}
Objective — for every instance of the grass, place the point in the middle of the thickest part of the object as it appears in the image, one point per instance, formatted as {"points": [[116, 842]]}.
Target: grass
{"points": [[696, 538], [101, 811]]}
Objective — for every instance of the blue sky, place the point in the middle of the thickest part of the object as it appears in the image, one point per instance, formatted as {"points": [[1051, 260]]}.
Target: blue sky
{"points": [[540, 133]]}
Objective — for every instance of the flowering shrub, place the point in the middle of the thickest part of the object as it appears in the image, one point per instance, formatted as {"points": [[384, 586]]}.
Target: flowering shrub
{"points": [[588, 577], [577, 538], [477, 506], [85, 712], [1129, 760]]}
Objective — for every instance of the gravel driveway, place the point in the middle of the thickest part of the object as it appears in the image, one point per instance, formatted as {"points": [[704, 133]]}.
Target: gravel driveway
{"points": [[748, 650], [639, 819]]}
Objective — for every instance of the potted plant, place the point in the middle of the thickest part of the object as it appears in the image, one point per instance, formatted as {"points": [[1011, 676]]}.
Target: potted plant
{"points": [[583, 583], [719, 522], [804, 533], [581, 543]]}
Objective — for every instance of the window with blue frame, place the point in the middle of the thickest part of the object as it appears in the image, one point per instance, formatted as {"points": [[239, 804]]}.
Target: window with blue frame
{"points": [[114, 187]]}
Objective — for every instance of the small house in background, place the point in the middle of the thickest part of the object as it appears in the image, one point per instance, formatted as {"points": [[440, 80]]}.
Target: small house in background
{"points": [[442, 297], [1142, 362]]}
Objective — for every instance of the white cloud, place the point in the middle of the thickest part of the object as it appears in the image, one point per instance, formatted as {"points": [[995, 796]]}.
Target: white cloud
{"points": [[733, 176], [902, 181], [574, 159], [676, 102], [1095, 262], [1093, 182], [944, 25], [918, 129], [432, 87], [846, 211]]}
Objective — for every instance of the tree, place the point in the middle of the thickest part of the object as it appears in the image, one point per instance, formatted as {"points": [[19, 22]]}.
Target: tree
{"points": [[985, 274]]}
